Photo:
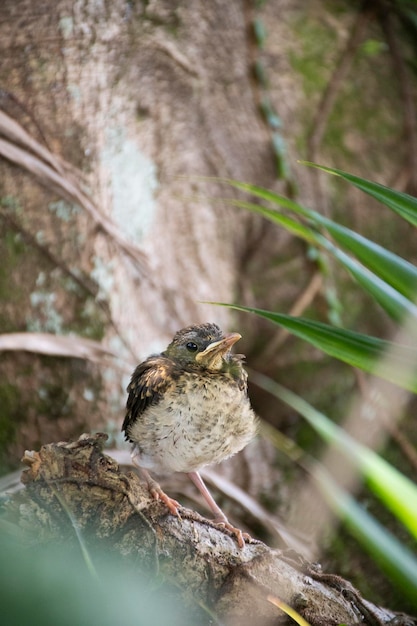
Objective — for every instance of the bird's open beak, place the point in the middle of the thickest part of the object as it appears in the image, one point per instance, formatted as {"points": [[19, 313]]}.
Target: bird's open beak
{"points": [[217, 348]]}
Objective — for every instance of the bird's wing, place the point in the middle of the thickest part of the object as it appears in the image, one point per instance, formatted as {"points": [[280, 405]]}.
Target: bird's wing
{"points": [[149, 382]]}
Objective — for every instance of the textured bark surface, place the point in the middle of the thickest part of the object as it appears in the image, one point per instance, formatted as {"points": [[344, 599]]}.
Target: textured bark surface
{"points": [[74, 485]]}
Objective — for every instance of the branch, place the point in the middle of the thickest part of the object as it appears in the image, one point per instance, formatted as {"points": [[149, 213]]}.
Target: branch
{"points": [[407, 96], [18, 147], [74, 488], [328, 98]]}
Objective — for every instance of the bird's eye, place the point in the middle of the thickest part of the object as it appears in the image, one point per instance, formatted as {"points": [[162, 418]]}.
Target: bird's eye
{"points": [[191, 346]]}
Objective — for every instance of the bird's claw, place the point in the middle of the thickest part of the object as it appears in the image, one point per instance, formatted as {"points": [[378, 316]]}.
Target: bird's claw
{"points": [[238, 534], [158, 494]]}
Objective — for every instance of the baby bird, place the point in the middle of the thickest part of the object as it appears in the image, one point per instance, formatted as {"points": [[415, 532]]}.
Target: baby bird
{"points": [[187, 408]]}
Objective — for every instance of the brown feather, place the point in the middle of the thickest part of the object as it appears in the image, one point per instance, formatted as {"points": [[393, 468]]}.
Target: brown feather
{"points": [[150, 380]]}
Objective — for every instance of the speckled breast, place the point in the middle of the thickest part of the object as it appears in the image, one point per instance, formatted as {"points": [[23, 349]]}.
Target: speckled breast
{"points": [[200, 424]]}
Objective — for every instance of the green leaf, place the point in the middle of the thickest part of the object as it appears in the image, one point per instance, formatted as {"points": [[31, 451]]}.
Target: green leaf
{"points": [[402, 203], [265, 194], [397, 492], [393, 302], [291, 225], [356, 349], [395, 269], [399, 563], [397, 272]]}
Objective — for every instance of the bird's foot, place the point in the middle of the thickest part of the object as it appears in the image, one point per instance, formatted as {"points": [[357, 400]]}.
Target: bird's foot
{"points": [[158, 494], [155, 490], [240, 535], [220, 519]]}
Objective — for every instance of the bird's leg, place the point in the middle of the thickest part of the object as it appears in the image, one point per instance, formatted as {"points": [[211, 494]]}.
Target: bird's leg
{"points": [[154, 488], [199, 483], [220, 518], [157, 492]]}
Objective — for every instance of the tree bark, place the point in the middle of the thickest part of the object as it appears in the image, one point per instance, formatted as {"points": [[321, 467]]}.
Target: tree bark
{"points": [[74, 485]]}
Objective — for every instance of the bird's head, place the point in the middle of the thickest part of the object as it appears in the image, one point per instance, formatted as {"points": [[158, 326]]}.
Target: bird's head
{"points": [[203, 346]]}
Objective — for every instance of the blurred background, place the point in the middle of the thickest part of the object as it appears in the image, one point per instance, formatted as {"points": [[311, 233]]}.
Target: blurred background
{"points": [[116, 120]]}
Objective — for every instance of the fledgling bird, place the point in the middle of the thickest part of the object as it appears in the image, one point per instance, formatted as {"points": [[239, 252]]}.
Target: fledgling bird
{"points": [[187, 408]]}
